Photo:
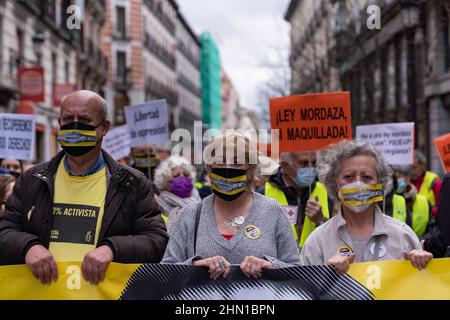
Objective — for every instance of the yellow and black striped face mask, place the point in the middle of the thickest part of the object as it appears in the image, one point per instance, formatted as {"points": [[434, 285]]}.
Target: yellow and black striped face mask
{"points": [[145, 162], [228, 183], [358, 196], [77, 139]]}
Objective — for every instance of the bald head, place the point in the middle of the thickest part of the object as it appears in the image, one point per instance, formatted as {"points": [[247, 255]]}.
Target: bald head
{"points": [[85, 107], [83, 104]]}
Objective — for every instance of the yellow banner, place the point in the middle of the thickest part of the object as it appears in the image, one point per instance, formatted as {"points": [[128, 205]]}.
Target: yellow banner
{"points": [[387, 280], [18, 283], [399, 280]]}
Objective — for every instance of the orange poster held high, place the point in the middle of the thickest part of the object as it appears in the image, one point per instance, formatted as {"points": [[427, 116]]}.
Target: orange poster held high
{"points": [[311, 122], [442, 144]]}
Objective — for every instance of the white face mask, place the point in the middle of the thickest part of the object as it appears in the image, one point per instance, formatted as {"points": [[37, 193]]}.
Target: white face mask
{"points": [[358, 196]]}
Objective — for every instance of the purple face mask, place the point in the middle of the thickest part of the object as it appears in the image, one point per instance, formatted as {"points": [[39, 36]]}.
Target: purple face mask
{"points": [[182, 186]]}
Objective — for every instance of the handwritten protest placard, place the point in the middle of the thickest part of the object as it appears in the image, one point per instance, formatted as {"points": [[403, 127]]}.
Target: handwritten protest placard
{"points": [[311, 122], [395, 141], [17, 136], [148, 123], [442, 144], [117, 142]]}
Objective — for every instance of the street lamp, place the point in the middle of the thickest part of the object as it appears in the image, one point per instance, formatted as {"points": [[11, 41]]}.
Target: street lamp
{"points": [[38, 43]]}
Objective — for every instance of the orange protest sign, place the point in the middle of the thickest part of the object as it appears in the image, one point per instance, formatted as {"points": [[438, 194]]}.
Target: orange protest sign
{"points": [[312, 121], [442, 144]]}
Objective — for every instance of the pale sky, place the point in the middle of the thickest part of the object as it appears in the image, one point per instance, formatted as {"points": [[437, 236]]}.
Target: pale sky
{"points": [[248, 34]]}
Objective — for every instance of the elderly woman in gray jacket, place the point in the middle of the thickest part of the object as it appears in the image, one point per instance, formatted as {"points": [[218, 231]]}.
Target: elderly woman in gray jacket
{"points": [[234, 225], [357, 176]]}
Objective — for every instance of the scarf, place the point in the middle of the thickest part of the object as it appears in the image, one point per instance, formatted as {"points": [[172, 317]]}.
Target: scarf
{"points": [[171, 204]]}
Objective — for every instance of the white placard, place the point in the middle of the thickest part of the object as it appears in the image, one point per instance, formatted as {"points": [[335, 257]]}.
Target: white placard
{"points": [[148, 123], [291, 213], [395, 141], [17, 136], [117, 142]]}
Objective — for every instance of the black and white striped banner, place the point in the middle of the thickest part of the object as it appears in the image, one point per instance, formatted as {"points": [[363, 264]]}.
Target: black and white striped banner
{"points": [[180, 282]]}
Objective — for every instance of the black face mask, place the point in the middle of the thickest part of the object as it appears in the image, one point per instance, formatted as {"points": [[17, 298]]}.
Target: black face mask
{"points": [[77, 138], [228, 183]]}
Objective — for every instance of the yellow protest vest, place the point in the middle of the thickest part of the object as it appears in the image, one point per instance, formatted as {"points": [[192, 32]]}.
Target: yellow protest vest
{"points": [[198, 185], [399, 207], [420, 214], [426, 188], [308, 226], [165, 217]]}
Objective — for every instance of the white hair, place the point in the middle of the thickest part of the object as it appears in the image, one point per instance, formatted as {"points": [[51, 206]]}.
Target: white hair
{"points": [[163, 173], [330, 163]]}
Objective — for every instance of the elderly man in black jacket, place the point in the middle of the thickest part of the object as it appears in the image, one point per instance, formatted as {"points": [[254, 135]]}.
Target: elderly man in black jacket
{"points": [[81, 205], [439, 240]]}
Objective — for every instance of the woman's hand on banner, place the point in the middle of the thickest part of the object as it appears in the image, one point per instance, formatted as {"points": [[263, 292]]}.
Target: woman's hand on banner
{"points": [[341, 263], [42, 264], [252, 266], [218, 266], [95, 263], [419, 258]]}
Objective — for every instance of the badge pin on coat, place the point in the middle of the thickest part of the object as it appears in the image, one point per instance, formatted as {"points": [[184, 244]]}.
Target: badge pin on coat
{"points": [[252, 232], [381, 252], [344, 251]]}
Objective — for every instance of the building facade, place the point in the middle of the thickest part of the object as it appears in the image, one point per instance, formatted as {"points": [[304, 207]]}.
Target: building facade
{"points": [[230, 103], [153, 54], [122, 44], [93, 65], [188, 76], [397, 73], [159, 23], [21, 22], [436, 83], [211, 82], [312, 30], [247, 120]]}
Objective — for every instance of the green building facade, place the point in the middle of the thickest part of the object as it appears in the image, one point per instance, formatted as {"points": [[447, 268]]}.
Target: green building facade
{"points": [[211, 82]]}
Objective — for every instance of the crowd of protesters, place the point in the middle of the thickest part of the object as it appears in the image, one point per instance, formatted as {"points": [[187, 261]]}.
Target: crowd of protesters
{"points": [[342, 205]]}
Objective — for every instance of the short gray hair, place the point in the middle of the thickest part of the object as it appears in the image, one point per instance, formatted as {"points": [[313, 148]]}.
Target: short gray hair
{"points": [[403, 169], [330, 162], [288, 156], [163, 173]]}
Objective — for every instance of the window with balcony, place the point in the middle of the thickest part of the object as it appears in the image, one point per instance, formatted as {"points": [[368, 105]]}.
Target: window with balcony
{"points": [[120, 22], [121, 67]]}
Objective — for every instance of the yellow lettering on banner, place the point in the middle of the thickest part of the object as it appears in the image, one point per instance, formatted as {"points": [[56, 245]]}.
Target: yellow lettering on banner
{"points": [[374, 279], [73, 281]]}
